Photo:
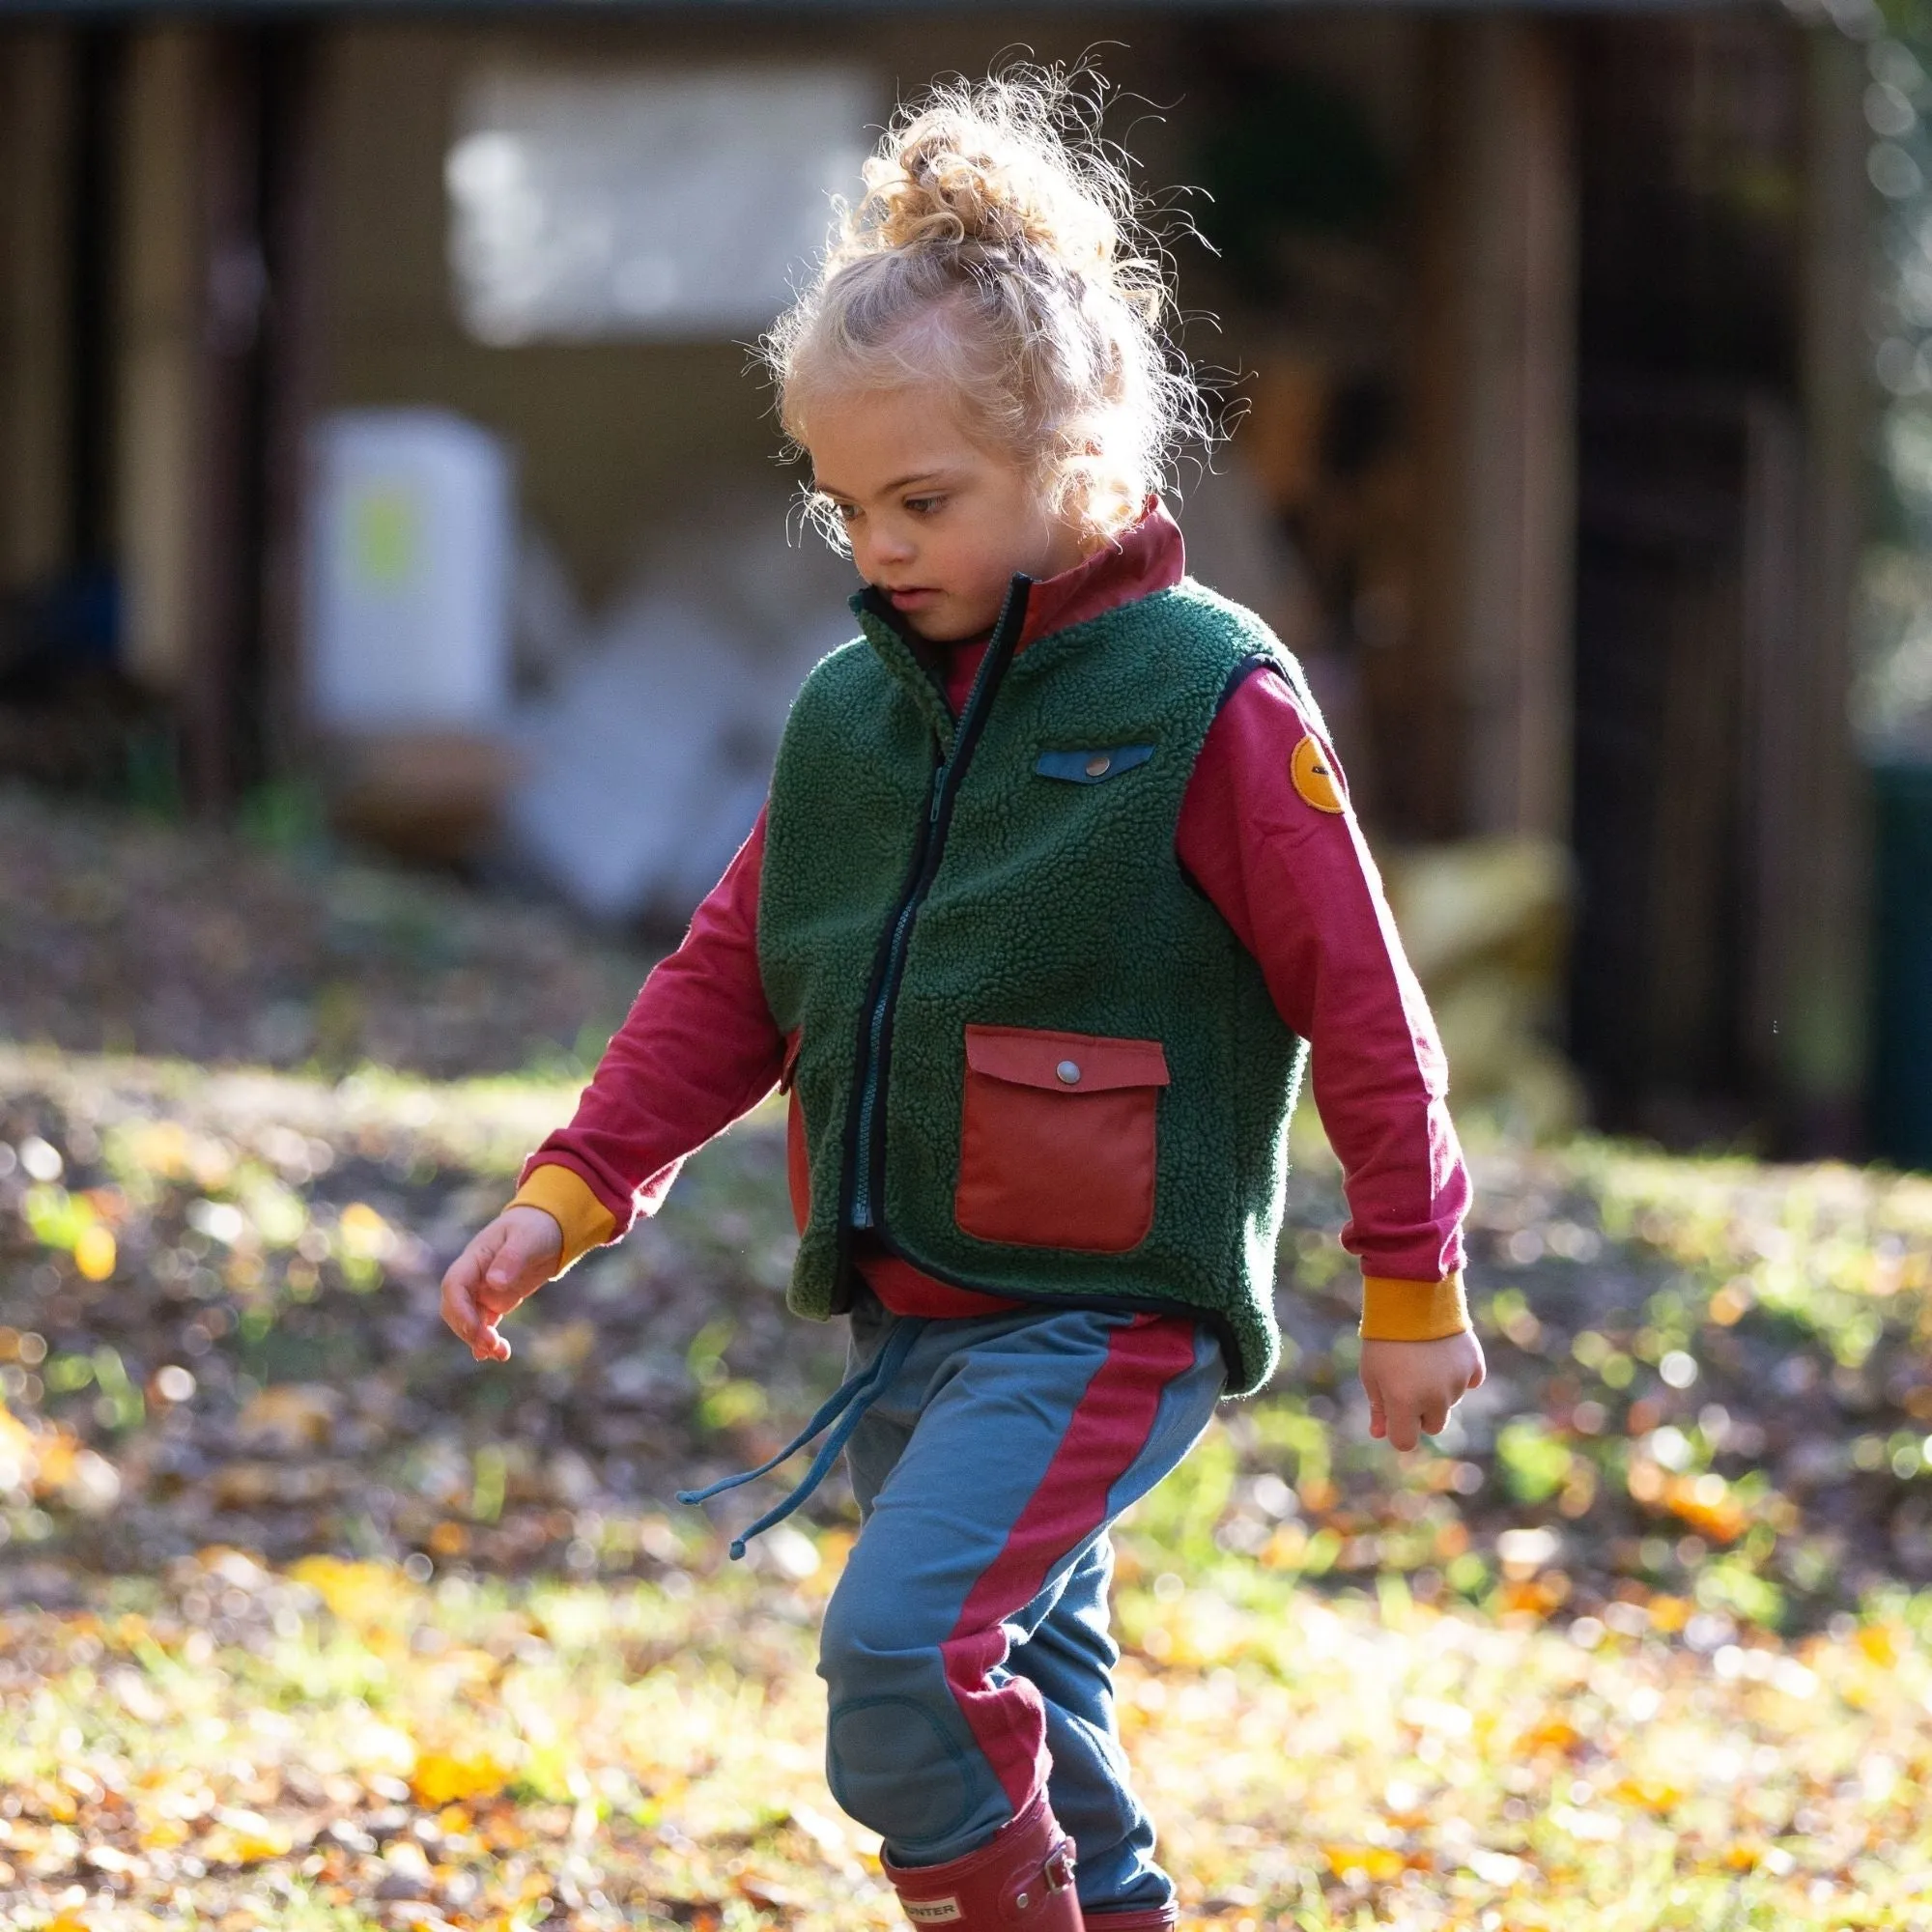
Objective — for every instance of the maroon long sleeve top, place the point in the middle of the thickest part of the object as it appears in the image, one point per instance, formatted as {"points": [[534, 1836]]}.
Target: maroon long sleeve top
{"points": [[1282, 857]]}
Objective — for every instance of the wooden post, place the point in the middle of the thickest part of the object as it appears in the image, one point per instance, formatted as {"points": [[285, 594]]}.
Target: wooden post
{"points": [[231, 277], [252, 387], [291, 240], [1824, 958], [37, 99], [92, 293], [1775, 729], [160, 355], [1495, 316]]}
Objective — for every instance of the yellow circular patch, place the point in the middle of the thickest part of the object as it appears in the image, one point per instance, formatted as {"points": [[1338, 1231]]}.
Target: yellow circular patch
{"points": [[1315, 775]]}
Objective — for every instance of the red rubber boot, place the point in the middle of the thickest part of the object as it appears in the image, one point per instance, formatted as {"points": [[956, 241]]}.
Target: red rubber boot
{"points": [[1020, 1880], [1135, 1918]]}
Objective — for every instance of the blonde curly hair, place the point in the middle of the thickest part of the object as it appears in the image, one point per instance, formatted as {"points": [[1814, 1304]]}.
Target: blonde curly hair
{"points": [[999, 247]]}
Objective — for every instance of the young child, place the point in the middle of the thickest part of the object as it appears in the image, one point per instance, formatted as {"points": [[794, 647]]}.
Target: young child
{"points": [[1056, 885]]}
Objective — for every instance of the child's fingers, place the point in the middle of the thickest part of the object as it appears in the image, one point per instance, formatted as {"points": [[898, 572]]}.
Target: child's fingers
{"points": [[1410, 1398], [460, 1311], [458, 1292], [462, 1287], [477, 1329], [1377, 1414], [485, 1343], [1392, 1411]]}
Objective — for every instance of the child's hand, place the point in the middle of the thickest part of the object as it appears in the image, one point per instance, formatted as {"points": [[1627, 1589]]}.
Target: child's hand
{"points": [[505, 1264], [1415, 1384]]}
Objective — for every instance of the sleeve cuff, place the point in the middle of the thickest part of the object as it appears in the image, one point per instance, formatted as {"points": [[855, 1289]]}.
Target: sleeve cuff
{"points": [[566, 1198], [1413, 1311]]}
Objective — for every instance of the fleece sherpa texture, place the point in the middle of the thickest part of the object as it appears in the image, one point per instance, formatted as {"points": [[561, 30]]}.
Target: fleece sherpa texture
{"points": [[1056, 905]]}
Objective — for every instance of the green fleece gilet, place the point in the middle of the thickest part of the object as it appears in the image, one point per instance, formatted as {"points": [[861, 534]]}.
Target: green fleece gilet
{"points": [[923, 874]]}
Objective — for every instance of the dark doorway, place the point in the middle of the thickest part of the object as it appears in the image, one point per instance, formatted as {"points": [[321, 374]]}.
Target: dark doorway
{"points": [[1688, 507]]}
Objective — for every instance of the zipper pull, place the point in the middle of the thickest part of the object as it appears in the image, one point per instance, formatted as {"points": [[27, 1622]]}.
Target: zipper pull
{"points": [[938, 792]]}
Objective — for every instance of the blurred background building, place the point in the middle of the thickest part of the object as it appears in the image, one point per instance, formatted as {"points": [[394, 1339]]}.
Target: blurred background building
{"points": [[377, 407]]}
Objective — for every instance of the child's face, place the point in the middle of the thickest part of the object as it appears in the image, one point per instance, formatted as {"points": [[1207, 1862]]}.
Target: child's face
{"points": [[937, 522]]}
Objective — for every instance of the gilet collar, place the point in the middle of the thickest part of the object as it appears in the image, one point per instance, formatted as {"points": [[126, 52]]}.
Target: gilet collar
{"points": [[1147, 556]]}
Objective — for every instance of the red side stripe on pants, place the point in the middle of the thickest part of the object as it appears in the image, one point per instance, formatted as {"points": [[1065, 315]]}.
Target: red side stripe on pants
{"points": [[1108, 1429]]}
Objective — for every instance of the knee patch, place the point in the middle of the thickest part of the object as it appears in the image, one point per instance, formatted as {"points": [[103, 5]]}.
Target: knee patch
{"points": [[893, 1766]]}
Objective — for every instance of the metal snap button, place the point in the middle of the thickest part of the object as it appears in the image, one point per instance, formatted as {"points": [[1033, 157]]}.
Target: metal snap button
{"points": [[1100, 764], [1069, 1071]]}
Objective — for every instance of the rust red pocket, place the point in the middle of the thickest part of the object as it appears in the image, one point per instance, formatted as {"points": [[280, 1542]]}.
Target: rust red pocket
{"points": [[798, 1153], [1057, 1139]]}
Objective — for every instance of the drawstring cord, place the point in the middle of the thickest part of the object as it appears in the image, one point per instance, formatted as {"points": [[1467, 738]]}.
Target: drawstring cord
{"points": [[846, 1406]]}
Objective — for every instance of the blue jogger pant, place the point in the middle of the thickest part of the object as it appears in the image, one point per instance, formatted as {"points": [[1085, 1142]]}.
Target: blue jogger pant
{"points": [[966, 1651]]}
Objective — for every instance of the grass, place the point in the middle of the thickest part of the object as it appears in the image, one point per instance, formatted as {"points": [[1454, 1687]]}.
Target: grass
{"points": [[342, 1746], [312, 1623]]}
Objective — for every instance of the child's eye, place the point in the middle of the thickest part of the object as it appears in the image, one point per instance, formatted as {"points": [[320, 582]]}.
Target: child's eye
{"points": [[924, 506], [845, 512]]}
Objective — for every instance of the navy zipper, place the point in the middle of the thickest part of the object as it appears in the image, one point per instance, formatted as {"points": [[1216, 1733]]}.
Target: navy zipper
{"points": [[865, 1167]]}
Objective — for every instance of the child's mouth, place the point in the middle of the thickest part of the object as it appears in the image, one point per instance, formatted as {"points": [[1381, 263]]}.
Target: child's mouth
{"points": [[912, 598]]}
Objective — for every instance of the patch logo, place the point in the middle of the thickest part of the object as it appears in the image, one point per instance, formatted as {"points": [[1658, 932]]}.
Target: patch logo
{"points": [[1315, 775], [932, 1911]]}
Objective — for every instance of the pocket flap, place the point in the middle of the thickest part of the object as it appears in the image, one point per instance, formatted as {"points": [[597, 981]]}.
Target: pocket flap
{"points": [[1064, 1062], [1094, 766]]}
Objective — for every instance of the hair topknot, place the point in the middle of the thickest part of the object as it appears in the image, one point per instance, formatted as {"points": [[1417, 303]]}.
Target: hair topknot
{"points": [[987, 170], [1000, 244]]}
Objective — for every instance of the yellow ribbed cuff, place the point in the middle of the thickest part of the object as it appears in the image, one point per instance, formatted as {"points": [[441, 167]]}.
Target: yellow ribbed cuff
{"points": [[1413, 1311], [565, 1196]]}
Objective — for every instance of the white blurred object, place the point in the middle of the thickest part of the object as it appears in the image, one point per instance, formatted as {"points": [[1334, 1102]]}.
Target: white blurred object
{"points": [[645, 764], [621, 790], [647, 204], [548, 624], [411, 550]]}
